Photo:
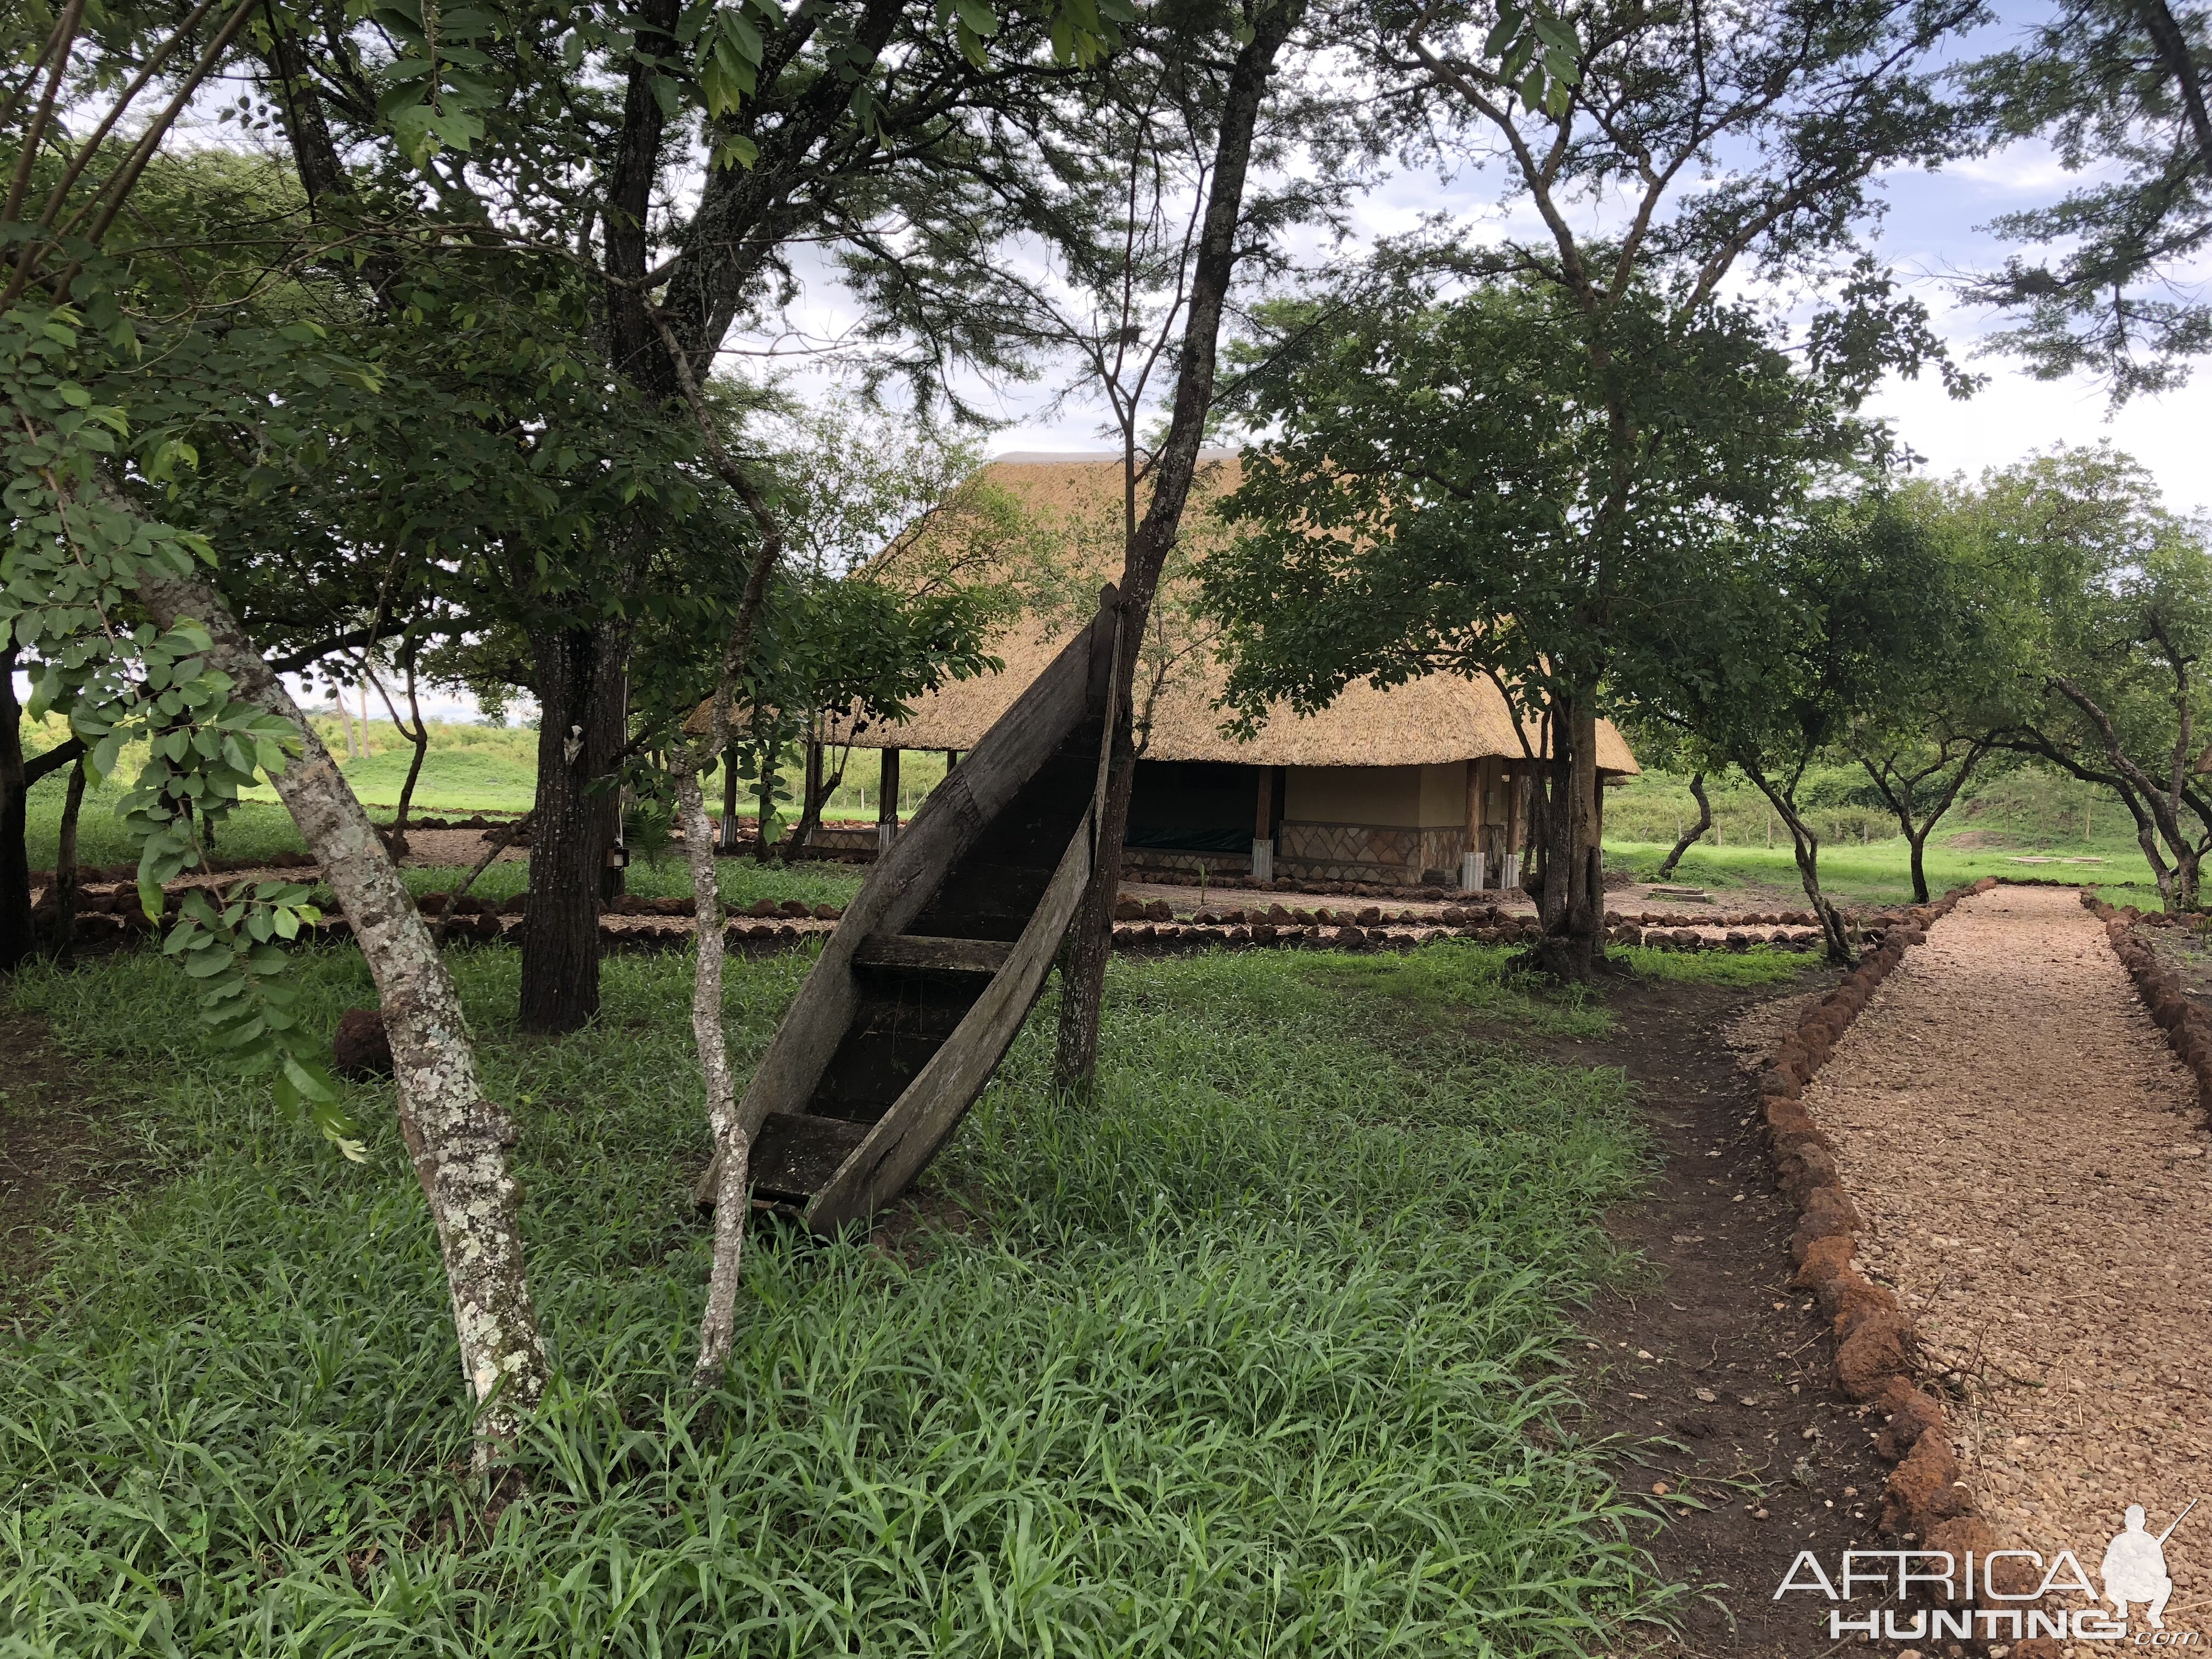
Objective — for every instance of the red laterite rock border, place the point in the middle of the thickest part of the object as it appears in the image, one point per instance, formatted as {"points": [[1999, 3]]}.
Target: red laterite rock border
{"points": [[1876, 1357], [2187, 1025]]}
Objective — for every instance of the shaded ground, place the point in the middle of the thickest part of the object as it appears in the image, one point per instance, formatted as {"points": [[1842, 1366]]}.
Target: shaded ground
{"points": [[51, 1149], [2034, 1178], [1717, 1378]]}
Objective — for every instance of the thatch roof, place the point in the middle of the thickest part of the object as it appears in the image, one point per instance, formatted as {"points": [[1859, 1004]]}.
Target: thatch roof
{"points": [[1438, 718]]}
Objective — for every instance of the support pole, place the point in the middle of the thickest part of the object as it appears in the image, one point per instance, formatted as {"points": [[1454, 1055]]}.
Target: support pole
{"points": [[1470, 861], [1263, 827], [887, 787], [1517, 828]]}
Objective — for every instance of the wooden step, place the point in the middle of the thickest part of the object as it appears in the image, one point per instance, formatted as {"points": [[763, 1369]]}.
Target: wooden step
{"points": [[795, 1154], [932, 953]]}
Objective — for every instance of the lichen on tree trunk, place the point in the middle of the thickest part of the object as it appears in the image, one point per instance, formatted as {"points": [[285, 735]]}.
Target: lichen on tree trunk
{"points": [[457, 1138], [718, 1326]]}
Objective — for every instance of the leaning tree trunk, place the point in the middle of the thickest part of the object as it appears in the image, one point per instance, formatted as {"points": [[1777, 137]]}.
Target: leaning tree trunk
{"points": [[1090, 938], [457, 1138], [1805, 845], [572, 825], [1696, 832]]}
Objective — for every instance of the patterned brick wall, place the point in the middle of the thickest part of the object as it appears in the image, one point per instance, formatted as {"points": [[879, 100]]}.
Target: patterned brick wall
{"points": [[1369, 852]]}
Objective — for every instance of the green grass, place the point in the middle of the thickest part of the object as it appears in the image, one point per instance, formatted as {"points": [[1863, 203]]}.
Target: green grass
{"points": [[1882, 872], [452, 781], [1262, 1353], [1749, 968], [2007, 815]]}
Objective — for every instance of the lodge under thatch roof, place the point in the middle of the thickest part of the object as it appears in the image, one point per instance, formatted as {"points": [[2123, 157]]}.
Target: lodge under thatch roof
{"points": [[1424, 783], [1439, 719]]}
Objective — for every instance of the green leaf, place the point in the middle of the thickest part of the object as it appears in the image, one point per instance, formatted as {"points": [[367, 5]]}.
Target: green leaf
{"points": [[1556, 35], [312, 1081]]}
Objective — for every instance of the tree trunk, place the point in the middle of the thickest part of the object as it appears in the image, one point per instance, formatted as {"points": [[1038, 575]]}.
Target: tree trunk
{"points": [[1806, 847], [419, 736], [764, 806], [1919, 870], [572, 824], [64, 889], [1567, 907], [729, 843], [732, 1159], [1090, 940], [2185, 897], [457, 1138], [1695, 833], [16, 939], [814, 795]]}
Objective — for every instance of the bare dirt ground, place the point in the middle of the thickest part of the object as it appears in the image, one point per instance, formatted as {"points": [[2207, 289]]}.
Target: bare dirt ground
{"points": [[2028, 1158], [54, 1147], [1714, 1377], [456, 847]]}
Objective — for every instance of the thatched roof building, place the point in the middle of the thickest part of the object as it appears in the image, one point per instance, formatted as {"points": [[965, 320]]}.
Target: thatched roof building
{"points": [[1423, 783]]}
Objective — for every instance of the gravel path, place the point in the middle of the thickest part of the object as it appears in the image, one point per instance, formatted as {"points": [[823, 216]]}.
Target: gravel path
{"points": [[2025, 1152]]}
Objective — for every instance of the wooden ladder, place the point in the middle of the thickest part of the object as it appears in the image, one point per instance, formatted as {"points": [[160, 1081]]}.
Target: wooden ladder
{"points": [[934, 967]]}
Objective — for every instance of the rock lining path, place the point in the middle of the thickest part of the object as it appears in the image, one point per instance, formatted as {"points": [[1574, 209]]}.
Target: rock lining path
{"points": [[2027, 1156]]}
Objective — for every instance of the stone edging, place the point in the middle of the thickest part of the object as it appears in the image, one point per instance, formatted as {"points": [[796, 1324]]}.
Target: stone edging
{"points": [[2187, 1025], [1876, 1356]]}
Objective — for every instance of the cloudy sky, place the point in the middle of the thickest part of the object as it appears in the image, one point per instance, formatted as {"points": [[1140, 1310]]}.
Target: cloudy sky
{"points": [[1934, 232]]}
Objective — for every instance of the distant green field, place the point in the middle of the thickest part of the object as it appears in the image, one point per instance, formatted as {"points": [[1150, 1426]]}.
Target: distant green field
{"points": [[2010, 822], [1877, 873], [2017, 823], [471, 780]]}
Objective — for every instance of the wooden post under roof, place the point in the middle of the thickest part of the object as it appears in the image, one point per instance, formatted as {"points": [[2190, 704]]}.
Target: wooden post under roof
{"points": [[812, 803], [1470, 862], [1263, 826], [887, 787]]}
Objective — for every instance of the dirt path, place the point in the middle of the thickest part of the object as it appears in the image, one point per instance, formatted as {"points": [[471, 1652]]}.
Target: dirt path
{"points": [[1713, 1376], [2026, 1154]]}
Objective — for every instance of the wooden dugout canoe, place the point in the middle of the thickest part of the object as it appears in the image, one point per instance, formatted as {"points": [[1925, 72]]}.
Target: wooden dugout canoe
{"points": [[935, 964]]}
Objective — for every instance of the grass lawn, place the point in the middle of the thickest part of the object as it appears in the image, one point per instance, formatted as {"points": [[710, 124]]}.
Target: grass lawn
{"points": [[1882, 872], [256, 830], [452, 781], [1260, 1351]]}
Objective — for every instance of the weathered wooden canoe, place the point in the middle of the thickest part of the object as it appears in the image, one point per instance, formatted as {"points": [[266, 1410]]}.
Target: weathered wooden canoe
{"points": [[922, 988]]}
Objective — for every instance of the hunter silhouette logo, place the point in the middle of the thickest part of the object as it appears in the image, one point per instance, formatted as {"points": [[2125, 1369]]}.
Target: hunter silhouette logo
{"points": [[2135, 1567], [1966, 1596]]}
